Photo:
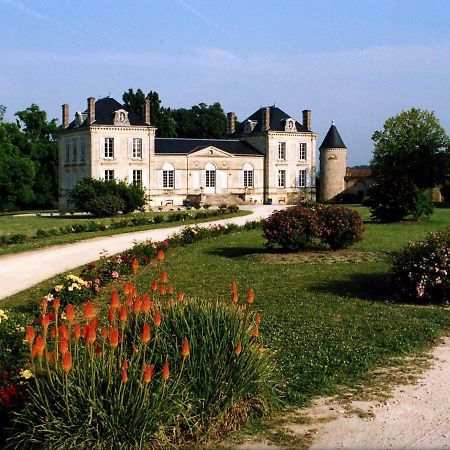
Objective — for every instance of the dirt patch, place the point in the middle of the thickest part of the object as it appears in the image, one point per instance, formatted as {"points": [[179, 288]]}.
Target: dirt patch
{"points": [[318, 257]]}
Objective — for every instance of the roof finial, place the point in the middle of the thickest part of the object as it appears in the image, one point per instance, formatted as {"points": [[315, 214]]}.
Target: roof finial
{"points": [[332, 123]]}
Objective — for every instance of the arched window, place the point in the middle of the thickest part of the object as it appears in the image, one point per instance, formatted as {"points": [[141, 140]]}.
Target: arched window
{"points": [[210, 175], [248, 175], [168, 173]]}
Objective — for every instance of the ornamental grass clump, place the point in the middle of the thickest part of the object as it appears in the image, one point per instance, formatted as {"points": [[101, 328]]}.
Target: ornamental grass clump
{"points": [[156, 370], [420, 273]]}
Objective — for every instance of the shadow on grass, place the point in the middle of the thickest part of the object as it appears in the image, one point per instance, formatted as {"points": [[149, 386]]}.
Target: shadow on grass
{"points": [[372, 287], [239, 252]]}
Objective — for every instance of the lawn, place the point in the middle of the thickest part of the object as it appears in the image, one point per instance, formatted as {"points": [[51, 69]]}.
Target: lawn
{"points": [[28, 225], [327, 324]]}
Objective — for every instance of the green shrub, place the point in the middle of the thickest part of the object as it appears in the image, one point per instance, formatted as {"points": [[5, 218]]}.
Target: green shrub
{"points": [[293, 229], [16, 238], [41, 233], [421, 272], [105, 205], [340, 227], [233, 208], [158, 218]]}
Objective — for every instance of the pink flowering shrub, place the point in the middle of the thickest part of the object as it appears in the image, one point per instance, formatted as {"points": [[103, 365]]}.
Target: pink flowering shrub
{"points": [[303, 227], [340, 227], [421, 272]]}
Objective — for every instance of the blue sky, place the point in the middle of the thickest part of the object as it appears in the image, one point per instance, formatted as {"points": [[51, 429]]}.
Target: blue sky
{"points": [[353, 61]]}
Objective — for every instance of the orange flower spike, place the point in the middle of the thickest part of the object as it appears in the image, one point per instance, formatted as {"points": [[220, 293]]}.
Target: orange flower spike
{"points": [[111, 315], [238, 349], [91, 335], [157, 319], [257, 319], [160, 256], [125, 364], [56, 304], [115, 303], [67, 362], [104, 333], [180, 296], [255, 332], [64, 346], [165, 371], [170, 289], [146, 334], [233, 286], [146, 303], [70, 313], [113, 337], [29, 335], [126, 288], [235, 297], [250, 296], [89, 310], [94, 321], [134, 266], [45, 323], [134, 292], [164, 277], [129, 301], [185, 349], [44, 305], [162, 290], [84, 331], [124, 375], [54, 332], [77, 331], [64, 331], [39, 346], [123, 314], [154, 285], [137, 306], [148, 373]]}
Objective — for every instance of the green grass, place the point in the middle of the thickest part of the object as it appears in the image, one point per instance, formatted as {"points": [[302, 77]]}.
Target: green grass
{"points": [[328, 324], [29, 224]]}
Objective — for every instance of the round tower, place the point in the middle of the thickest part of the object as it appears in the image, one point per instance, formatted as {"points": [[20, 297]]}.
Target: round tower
{"points": [[333, 165]]}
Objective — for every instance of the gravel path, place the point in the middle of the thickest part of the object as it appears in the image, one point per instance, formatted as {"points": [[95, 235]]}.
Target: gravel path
{"points": [[23, 270]]}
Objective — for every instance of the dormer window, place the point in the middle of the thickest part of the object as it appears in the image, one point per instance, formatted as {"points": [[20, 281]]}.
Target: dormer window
{"points": [[249, 125], [121, 117], [289, 125]]}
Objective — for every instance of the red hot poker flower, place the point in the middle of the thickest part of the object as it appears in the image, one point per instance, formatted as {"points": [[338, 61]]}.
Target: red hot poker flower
{"points": [[137, 306], [56, 303], [111, 315], [134, 266], [180, 296], [257, 319], [235, 297], [170, 289], [160, 256], [148, 373], [250, 296], [146, 303], [185, 349], [123, 314], [233, 286], [39, 346], [146, 335], [154, 285], [64, 331], [89, 310], [91, 335], [115, 303], [165, 371], [113, 337], [77, 331], [238, 349], [64, 346], [124, 375], [164, 277], [70, 313], [30, 333], [67, 362], [157, 319]]}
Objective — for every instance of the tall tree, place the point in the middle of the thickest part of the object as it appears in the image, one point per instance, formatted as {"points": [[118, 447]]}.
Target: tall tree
{"points": [[38, 142], [201, 121], [412, 144]]}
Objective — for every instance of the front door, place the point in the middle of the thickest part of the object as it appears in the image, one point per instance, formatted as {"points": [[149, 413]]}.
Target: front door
{"points": [[210, 181]]}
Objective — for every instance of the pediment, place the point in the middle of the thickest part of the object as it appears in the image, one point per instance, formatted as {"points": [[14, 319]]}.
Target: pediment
{"points": [[210, 151]]}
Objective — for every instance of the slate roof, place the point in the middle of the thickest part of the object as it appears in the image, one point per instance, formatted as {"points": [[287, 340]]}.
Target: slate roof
{"points": [[104, 114], [358, 172], [277, 122], [333, 139], [182, 146]]}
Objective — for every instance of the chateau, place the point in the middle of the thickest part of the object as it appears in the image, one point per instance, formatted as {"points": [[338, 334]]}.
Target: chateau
{"points": [[268, 158]]}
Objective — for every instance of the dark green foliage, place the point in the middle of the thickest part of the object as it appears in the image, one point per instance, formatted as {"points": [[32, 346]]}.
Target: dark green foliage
{"points": [[421, 272], [391, 200], [106, 198], [340, 227]]}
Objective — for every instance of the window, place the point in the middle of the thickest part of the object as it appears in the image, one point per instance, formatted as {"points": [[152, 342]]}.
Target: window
{"points": [[210, 178], [168, 176], [302, 178], [281, 150], [302, 151], [82, 149], [74, 149], [248, 175], [137, 148], [109, 175], [109, 148], [137, 177], [67, 150], [281, 178]]}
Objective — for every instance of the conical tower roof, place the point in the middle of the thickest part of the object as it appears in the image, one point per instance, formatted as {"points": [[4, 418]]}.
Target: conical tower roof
{"points": [[333, 139]]}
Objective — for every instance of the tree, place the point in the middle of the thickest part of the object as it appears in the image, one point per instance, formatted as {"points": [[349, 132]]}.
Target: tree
{"points": [[201, 122], [160, 117], [412, 144], [37, 141], [16, 172]]}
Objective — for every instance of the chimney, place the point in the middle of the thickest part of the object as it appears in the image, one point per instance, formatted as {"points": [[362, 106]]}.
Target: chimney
{"points": [[147, 111], [231, 122], [91, 110], [307, 119], [265, 118], [65, 115]]}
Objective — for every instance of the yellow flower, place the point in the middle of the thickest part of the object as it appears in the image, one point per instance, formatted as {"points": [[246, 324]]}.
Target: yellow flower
{"points": [[59, 287], [76, 286], [70, 288], [26, 374], [3, 315]]}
